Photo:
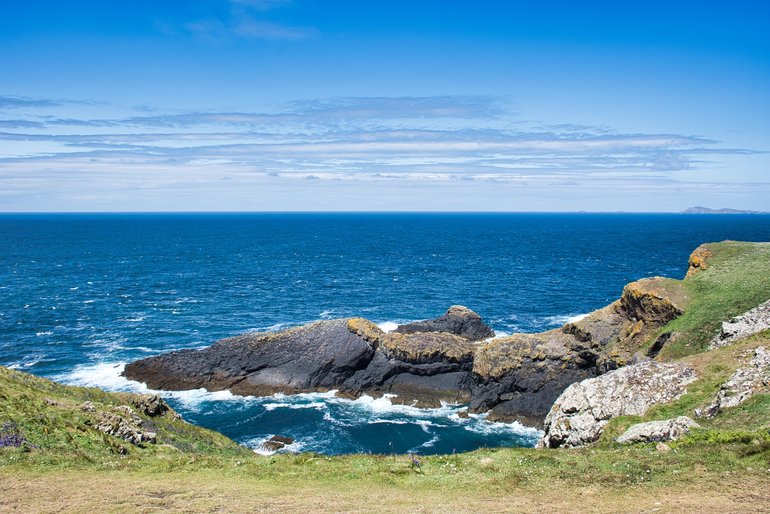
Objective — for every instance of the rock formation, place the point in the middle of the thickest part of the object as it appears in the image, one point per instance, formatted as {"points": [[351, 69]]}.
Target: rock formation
{"points": [[519, 377], [445, 359], [750, 323], [579, 415], [458, 320], [744, 383], [351, 355], [426, 362], [658, 431], [125, 424]]}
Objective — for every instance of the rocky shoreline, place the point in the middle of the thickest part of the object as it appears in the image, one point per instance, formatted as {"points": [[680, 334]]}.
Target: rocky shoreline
{"points": [[453, 358]]}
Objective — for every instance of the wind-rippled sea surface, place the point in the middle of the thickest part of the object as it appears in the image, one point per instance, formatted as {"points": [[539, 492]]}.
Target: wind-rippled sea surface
{"points": [[81, 295]]}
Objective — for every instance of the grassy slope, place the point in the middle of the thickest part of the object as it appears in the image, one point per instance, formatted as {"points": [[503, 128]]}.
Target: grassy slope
{"points": [[723, 467], [737, 279]]}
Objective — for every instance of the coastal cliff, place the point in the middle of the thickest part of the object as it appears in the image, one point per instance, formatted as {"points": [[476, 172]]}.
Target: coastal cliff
{"points": [[452, 358], [517, 377]]}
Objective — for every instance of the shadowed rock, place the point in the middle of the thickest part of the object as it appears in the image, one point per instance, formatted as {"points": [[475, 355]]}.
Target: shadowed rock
{"points": [[520, 376], [350, 355], [457, 320]]}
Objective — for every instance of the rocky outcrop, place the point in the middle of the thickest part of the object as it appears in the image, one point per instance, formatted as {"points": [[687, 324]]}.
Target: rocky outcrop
{"points": [[519, 377], [744, 383], [658, 431], [276, 443], [350, 355], [752, 322], [698, 260], [458, 320], [124, 424], [580, 413]]}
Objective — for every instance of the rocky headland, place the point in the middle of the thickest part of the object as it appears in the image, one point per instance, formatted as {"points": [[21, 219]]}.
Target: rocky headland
{"points": [[453, 358]]}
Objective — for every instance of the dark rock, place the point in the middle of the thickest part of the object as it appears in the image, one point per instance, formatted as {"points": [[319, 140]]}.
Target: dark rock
{"points": [[353, 356], [150, 404], [276, 442], [520, 376], [458, 320]]}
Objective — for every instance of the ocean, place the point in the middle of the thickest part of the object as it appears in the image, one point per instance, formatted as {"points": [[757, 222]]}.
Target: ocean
{"points": [[83, 294]]}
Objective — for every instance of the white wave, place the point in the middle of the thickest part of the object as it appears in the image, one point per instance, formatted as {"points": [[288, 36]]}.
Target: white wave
{"points": [[499, 334], [427, 444], [480, 425], [388, 326], [564, 319], [88, 301], [313, 405], [46, 333], [384, 406], [326, 314], [106, 375], [256, 446], [305, 396], [136, 319]]}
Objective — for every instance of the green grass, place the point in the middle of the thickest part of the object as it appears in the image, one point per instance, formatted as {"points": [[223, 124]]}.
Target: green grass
{"points": [[737, 279], [60, 433]]}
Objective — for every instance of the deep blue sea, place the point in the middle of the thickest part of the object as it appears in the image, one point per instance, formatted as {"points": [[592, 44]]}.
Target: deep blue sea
{"points": [[81, 295]]}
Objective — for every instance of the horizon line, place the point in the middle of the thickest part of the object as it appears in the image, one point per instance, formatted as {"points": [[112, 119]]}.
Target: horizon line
{"points": [[6, 213]]}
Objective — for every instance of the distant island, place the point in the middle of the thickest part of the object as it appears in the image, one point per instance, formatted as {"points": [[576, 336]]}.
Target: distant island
{"points": [[705, 210]]}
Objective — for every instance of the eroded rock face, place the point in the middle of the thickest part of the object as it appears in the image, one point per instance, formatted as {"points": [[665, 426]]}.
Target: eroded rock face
{"points": [[519, 377], [658, 431], [580, 413], [698, 260], [458, 320], [752, 322], [744, 383]]}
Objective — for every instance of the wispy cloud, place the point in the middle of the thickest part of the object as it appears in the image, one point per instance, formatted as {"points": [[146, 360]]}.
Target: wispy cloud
{"points": [[396, 142], [13, 102]]}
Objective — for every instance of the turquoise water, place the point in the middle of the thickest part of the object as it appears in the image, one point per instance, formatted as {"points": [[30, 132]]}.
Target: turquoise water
{"points": [[81, 295]]}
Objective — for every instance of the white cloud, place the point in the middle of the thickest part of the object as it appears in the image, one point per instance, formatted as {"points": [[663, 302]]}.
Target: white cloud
{"points": [[445, 141]]}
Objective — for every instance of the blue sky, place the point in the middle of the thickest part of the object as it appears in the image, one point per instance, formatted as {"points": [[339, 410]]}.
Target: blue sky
{"points": [[264, 105]]}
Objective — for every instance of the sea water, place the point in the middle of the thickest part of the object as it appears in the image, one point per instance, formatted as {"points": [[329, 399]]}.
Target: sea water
{"points": [[83, 294]]}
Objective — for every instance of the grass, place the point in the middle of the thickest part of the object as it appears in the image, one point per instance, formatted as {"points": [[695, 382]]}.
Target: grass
{"points": [[737, 279]]}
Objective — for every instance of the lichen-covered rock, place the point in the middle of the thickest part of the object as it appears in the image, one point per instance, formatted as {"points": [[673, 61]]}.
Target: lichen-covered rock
{"points": [[655, 299], [579, 415], [698, 260], [745, 382], [754, 321], [150, 404], [128, 428], [657, 431], [427, 347], [458, 320], [519, 377]]}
